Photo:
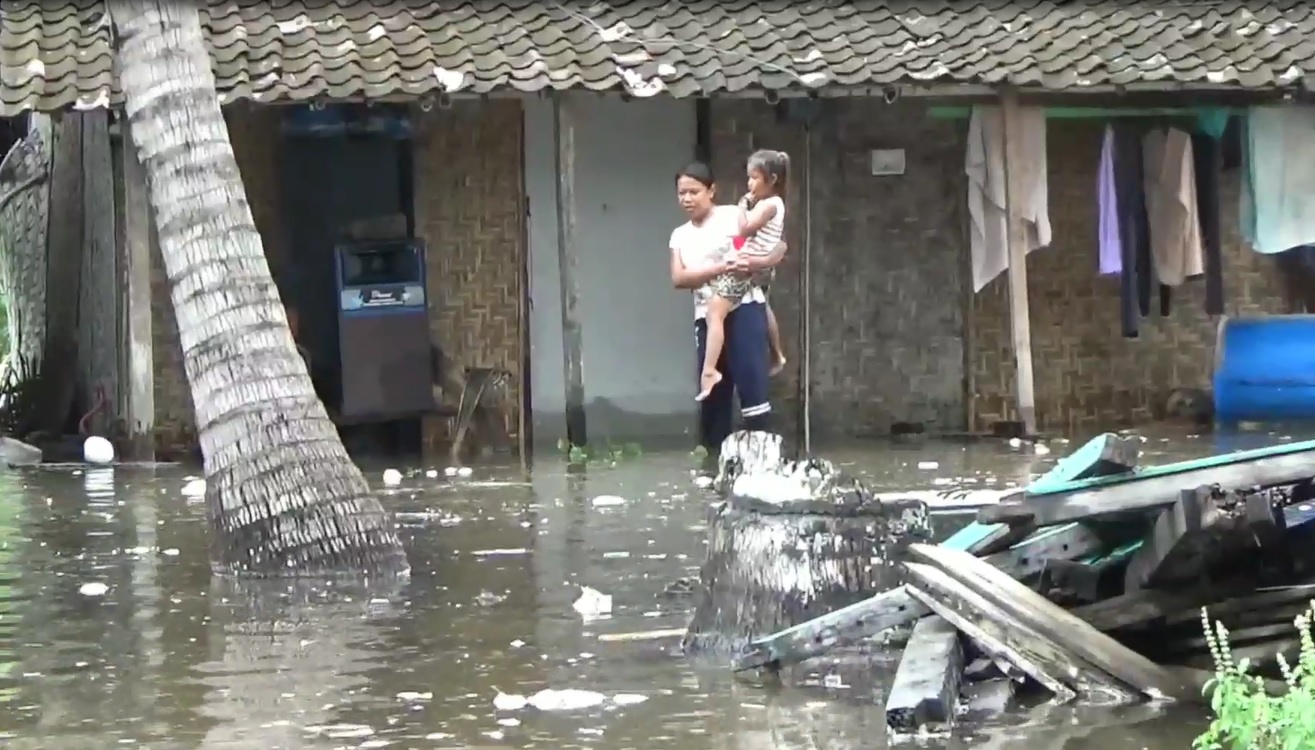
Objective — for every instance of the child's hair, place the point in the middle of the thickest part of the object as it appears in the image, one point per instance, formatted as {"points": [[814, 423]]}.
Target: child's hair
{"points": [[775, 165]]}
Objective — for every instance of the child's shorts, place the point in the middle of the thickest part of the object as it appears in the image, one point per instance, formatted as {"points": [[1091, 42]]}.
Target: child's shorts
{"points": [[732, 287]]}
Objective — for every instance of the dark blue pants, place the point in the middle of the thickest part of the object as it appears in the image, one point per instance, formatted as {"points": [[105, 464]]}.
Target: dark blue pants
{"points": [[744, 370]]}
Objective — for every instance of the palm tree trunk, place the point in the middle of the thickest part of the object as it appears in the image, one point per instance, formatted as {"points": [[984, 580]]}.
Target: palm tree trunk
{"points": [[284, 498]]}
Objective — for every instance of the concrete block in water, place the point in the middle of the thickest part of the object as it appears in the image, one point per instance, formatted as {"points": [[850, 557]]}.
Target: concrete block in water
{"points": [[927, 682], [17, 453]]}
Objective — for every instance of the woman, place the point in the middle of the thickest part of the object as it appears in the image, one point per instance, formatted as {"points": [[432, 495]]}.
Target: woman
{"points": [[697, 250]]}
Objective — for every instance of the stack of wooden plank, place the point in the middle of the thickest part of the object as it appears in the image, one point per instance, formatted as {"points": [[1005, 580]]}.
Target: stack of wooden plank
{"points": [[1089, 585]]}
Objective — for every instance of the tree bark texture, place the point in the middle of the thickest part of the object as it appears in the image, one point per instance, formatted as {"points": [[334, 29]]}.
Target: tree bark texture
{"points": [[283, 496], [792, 543]]}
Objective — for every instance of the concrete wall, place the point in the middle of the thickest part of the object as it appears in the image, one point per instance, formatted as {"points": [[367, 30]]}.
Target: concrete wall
{"points": [[639, 360]]}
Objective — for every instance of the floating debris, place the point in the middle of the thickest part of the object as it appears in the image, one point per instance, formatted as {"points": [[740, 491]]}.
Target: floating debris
{"points": [[94, 588], [195, 487], [607, 501], [593, 603], [97, 450], [392, 477]]}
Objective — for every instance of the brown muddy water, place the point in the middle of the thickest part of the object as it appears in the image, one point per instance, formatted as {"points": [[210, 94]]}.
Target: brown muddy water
{"points": [[114, 634]]}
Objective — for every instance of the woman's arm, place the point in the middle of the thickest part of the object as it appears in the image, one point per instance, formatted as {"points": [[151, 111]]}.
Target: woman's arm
{"points": [[684, 278], [753, 219]]}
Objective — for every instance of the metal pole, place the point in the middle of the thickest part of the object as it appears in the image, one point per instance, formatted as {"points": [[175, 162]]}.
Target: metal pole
{"points": [[805, 330]]}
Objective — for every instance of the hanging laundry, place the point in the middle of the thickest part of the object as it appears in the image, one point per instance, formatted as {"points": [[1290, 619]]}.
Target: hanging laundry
{"points": [[1111, 249], [1278, 178], [985, 167], [1170, 185], [1208, 157], [1134, 240]]}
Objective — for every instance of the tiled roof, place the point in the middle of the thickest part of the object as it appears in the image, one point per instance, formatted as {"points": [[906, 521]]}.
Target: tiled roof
{"points": [[58, 53]]}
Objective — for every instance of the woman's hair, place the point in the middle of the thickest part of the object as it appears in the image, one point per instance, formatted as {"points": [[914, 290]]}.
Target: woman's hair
{"points": [[697, 171], [775, 166]]}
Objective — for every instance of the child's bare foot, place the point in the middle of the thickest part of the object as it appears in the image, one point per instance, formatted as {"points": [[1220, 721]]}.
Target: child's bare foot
{"points": [[777, 365], [709, 381]]}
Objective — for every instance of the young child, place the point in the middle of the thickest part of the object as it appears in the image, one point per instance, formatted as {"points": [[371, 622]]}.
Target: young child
{"points": [[762, 224]]}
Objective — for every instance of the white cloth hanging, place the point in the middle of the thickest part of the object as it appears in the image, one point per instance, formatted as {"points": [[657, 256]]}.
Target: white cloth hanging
{"points": [[985, 167]]}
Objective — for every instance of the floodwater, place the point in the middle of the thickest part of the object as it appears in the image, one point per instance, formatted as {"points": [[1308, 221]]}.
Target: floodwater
{"points": [[114, 634]]}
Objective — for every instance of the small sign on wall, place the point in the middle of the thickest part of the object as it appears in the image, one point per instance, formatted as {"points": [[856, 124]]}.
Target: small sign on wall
{"points": [[887, 162]]}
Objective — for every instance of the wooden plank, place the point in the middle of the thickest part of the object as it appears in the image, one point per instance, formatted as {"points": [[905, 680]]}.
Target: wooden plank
{"points": [[63, 276], [1052, 622], [1156, 486], [1168, 543], [568, 248], [896, 607], [1103, 455], [1200, 533], [138, 369], [1269, 633], [1030, 557], [995, 632], [98, 308], [926, 686], [1144, 606], [821, 634], [1020, 320]]}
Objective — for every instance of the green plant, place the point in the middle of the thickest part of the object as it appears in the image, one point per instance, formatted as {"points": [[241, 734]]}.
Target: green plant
{"points": [[606, 453], [1246, 715]]}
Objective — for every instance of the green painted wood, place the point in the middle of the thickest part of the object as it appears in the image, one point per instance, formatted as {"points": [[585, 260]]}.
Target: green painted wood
{"points": [[1104, 455], [1156, 486]]}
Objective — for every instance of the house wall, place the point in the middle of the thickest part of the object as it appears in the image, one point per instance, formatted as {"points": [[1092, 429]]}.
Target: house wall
{"points": [[639, 359], [1087, 375], [886, 262], [470, 206]]}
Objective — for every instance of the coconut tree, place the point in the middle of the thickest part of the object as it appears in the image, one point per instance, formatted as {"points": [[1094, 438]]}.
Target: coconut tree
{"points": [[283, 495]]}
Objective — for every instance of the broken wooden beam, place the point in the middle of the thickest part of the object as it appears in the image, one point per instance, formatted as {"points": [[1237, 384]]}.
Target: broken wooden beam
{"points": [[1030, 556], [1202, 533], [1155, 486], [1052, 623], [994, 632], [821, 634], [1103, 455], [926, 687], [896, 607], [1141, 607]]}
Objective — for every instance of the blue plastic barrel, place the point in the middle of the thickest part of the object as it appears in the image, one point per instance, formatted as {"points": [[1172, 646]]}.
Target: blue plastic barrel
{"points": [[1265, 369]]}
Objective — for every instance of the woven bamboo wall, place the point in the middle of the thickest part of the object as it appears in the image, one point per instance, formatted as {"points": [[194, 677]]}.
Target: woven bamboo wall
{"points": [[470, 210], [1087, 375], [254, 132]]}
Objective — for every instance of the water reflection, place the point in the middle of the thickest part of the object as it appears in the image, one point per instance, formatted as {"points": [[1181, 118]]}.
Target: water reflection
{"points": [[160, 654]]}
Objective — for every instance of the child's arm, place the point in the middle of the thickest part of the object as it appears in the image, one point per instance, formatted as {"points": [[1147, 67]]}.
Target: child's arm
{"points": [[758, 263], [753, 219]]}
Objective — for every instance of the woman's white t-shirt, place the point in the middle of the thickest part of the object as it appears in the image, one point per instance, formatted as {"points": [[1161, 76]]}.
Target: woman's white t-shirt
{"points": [[703, 245]]}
